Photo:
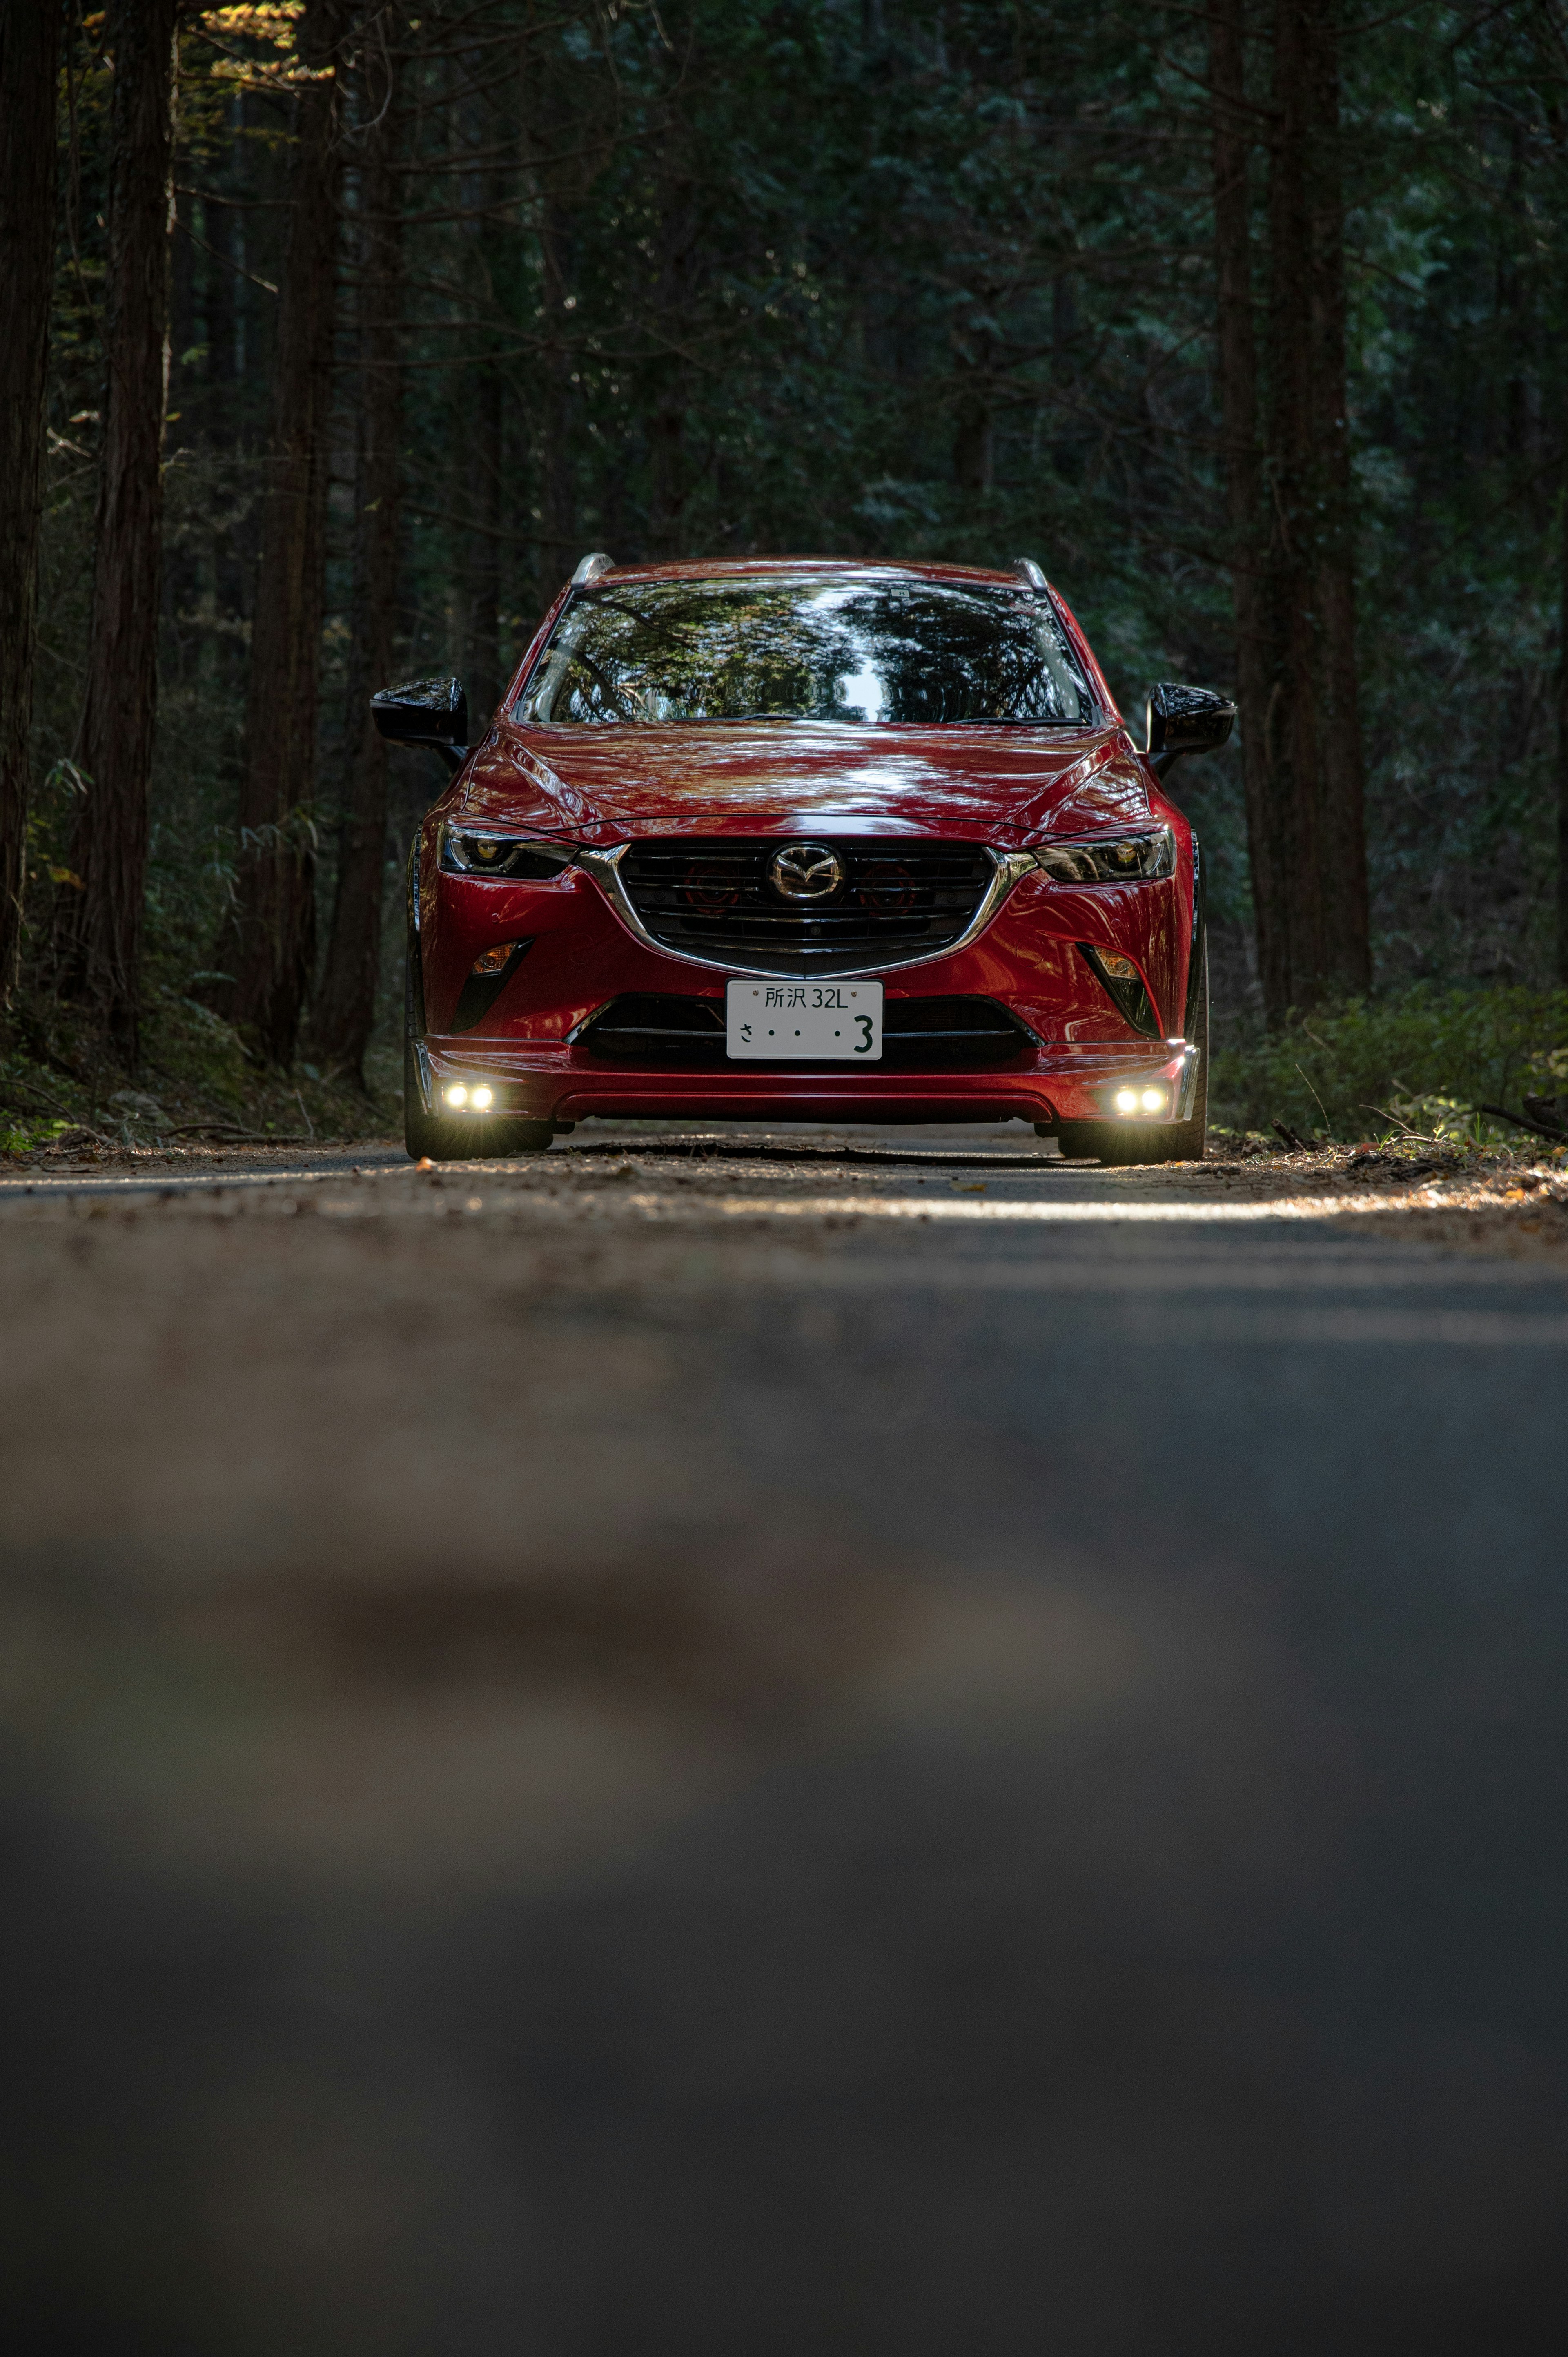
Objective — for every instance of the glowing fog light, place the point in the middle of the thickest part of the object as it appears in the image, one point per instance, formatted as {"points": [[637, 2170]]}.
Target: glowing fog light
{"points": [[479, 1099], [457, 1095], [1126, 1100], [1153, 1100]]}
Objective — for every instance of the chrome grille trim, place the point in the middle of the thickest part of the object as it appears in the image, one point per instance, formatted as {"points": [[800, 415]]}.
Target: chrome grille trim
{"points": [[1007, 869]]}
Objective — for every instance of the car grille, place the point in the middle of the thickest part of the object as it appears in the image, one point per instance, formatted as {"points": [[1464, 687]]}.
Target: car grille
{"points": [[945, 1034], [712, 898]]}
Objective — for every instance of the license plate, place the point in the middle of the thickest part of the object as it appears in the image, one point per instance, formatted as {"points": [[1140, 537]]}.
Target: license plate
{"points": [[820, 1022]]}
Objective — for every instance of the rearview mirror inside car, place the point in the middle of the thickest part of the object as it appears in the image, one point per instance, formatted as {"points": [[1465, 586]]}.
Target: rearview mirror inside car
{"points": [[432, 712], [1186, 720]]}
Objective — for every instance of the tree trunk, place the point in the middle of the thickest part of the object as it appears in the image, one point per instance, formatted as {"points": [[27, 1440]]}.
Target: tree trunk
{"points": [[1563, 724], [478, 405], [225, 319], [974, 419], [1346, 950], [670, 466], [29, 67], [482, 647], [346, 1001], [268, 946], [1292, 791], [1306, 801], [558, 550], [99, 928], [1237, 362]]}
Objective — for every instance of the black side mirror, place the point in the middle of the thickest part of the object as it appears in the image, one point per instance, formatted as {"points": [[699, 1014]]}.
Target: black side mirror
{"points": [[1186, 720], [432, 712]]}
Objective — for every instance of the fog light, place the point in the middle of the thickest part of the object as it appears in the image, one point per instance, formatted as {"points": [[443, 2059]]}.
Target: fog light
{"points": [[1154, 1100], [457, 1095], [1121, 967], [1126, 1100], [479, 1099]]}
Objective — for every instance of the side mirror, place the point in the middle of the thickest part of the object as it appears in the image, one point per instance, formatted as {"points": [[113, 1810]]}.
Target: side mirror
{"points": [[432, 712], [1186, 720]]}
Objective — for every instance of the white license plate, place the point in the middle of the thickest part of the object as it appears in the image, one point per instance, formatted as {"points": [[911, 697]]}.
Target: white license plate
{"points": [[820, 1022]]}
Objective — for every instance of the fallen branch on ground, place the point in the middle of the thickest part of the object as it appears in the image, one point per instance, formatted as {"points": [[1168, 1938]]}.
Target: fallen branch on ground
{"points": [[1522, 1120]]}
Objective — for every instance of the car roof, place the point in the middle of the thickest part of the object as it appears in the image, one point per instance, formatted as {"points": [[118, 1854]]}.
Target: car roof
{"points": [[753, 568]]}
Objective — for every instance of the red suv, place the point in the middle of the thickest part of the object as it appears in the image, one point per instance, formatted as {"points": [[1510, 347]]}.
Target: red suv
{"points": [[803, 839]]}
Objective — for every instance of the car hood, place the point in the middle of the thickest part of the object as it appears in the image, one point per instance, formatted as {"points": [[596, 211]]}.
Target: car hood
{"points": [[1006, 785]]}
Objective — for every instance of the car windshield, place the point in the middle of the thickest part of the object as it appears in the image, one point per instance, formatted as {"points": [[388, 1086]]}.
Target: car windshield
{"points": [[662, 652]]}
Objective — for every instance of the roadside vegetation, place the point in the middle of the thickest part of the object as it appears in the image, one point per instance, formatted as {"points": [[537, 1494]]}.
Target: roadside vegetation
{"points": [[61, 1092], [1421, 1068]]}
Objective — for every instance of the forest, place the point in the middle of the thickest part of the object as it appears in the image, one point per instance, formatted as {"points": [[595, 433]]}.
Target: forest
{"points": [[337, 331]]}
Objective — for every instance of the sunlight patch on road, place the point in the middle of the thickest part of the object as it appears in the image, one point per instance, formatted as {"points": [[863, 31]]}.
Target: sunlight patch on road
{"points": [[1150, 1210]]}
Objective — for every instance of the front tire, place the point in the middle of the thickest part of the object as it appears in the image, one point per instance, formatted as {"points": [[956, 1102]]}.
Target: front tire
{"points": [[1121, 1144]]}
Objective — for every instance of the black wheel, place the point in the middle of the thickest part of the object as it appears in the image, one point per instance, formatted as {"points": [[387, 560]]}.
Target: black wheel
{"points": [[1124, 1142], [1120, 1142]]}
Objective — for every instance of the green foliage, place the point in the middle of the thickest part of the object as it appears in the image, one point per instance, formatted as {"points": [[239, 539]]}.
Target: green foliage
{"points": [[1425, 1060], [60, 1091], [900, 278]]}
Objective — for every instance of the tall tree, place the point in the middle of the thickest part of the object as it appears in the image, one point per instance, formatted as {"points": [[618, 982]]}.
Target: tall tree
{"points": [[1347, 962], [1295, 959], [98, 927], [29, 66], [345, 1004], [567, 114], [482, 647], [677, 246], [1234, 125], [1290, 509], [268, 946], [558, 400], [1562, 721]]}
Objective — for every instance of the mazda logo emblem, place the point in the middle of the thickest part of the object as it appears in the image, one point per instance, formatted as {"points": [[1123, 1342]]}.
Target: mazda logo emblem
{"points": [[805, 871]]}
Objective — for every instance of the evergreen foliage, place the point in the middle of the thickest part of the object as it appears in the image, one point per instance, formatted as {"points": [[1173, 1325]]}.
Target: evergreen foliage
{"points": [[850, 277]]}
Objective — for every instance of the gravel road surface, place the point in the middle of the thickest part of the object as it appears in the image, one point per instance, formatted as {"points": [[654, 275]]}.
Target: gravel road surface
{"points": [[781, 1746]]}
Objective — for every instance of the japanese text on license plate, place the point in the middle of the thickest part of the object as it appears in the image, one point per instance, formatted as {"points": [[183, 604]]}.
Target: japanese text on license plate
{"points": [[816, 1022]]}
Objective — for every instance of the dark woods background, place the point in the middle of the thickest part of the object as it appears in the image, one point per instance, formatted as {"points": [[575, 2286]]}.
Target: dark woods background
{"points": [[1247, 320]]}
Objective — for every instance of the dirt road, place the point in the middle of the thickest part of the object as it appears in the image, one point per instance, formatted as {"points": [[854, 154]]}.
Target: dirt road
{"points": [[782, 1750]]}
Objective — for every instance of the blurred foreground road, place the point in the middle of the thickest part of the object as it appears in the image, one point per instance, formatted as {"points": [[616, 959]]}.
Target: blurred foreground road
{"points": [[775, 1756]]}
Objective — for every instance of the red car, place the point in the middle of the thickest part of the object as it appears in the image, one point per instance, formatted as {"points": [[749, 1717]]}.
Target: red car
{"points": [[806, 840]]}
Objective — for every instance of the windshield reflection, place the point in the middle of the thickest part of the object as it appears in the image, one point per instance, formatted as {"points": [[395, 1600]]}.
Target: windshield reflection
{"points": [[667, 653]]}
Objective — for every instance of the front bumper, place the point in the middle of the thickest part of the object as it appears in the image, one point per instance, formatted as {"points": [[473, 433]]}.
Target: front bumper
{"points": [[536, 1084], [527, 1049]]}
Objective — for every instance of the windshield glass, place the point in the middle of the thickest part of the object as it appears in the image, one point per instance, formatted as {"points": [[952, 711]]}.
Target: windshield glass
{"points": [[666, 652]]}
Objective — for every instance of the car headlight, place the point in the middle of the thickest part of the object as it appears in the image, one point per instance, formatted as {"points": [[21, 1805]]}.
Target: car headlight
{"points": [[475, 851], [1109, 859]]}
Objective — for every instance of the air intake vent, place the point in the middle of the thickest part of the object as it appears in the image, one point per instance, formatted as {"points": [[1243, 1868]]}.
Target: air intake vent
{"points": [[919, 1035]]}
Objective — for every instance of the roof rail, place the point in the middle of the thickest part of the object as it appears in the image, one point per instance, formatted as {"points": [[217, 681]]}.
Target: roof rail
{"points": [[1028, 570], [591, 567]]}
